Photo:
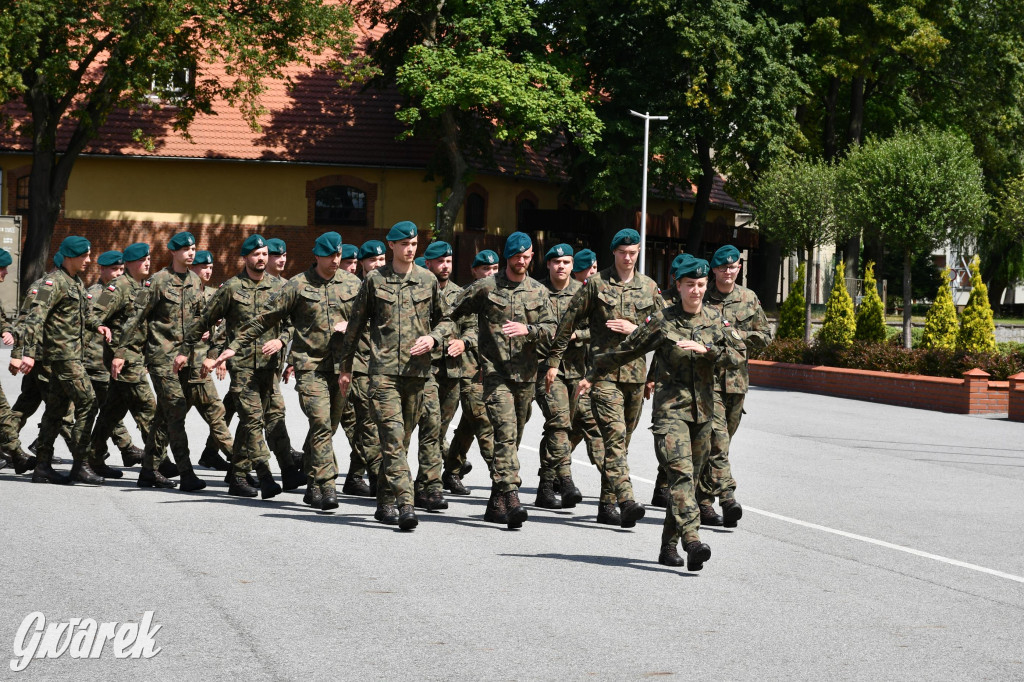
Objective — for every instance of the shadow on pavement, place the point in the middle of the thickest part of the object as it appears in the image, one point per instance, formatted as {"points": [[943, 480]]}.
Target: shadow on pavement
{"points": [[622, 562]]}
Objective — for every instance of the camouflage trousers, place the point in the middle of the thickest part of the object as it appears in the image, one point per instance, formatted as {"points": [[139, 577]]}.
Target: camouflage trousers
{"points": [[440, 400], [508, 407], [322, 403], [616, 407], [558, 407], [274, 426], [715, 479], [122, 439], [69, 384], [682, 448], [251, 391], [396, 403], [175, 394], [474, 423], [365, 439], [350, 425], [34, 388], [9, 439], [123, 397], [585, 428]]}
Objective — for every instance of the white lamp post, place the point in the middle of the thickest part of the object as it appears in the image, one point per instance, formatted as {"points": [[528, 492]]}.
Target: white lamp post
{"points": [[643, 201]]}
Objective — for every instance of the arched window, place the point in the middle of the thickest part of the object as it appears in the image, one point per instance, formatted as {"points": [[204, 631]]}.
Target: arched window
{"points": [[340, 205], [476, 211]]}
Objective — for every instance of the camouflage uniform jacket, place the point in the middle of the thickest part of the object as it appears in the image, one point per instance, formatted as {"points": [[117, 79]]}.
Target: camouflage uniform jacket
{"points": [[687, 391], [236, 302], [605, 297], [312, 306], [58, 323], [495, 300], [115, 306], [465, 331], [742, 311], [574, 360], [397, 310], [166, 305], [17, 350], [95, 346]]}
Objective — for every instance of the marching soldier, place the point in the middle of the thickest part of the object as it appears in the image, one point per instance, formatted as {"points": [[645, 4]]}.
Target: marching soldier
{"points": [[614, 302], [400, 304], [741, 310], [350, 258], [10, 443], [54, 333], [514, 319], [691, 344], [317, 304]]}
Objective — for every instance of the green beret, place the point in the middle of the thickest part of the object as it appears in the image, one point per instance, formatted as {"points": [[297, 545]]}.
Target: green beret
{"points": [[58, 259], [420, 261], [110, 258], [625, 237], [203, 258], [327, 244], [437, 250], [517, 243], [136, 251], [5, 258], [253, 242], [725, 255], [687, 265], [349, 251], [485, 257], [181, 241], [403, 230], [584, 260], [675, 263], [558, 251], [371, 248], [73, 247], [275, 247]]}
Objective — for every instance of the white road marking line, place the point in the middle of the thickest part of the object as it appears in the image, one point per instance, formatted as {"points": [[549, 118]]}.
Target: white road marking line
{"points": [[852, 536]]}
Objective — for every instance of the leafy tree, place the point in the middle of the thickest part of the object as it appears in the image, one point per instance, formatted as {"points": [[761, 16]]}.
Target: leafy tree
{"points": [[839, 325], [475, 72], [72, 64], [1002, 240], [794, 203], [792, 322], [977, 328], [916, 189], [871, 314], [940, 323]]}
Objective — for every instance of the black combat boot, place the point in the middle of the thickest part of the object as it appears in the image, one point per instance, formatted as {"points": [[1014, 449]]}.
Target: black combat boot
{"points": [[660, 498], [81, 472], [696, 554], [631, 512], [20, 460], [453, 483], [670, 556], [329, 496], [608, 514], [268, 486], [496, 512], [168, 468], [101, 468], [131, 456], [313, 496], [45, 473], [515, 512], [190, 483], [211, 459], [731, 513], [292, 477], [387, 514], [154, 479], [407, 517], [571, 495], [355, 485], [708, 516], [466, 468], [546, 496]]}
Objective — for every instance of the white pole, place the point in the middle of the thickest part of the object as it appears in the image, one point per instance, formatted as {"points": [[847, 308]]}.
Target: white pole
{"points": [[646, 116]]}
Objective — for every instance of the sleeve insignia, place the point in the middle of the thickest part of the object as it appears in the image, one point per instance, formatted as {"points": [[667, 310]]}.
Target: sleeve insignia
{"points": [[34, 292], [88, 295], [647, 320], [112, 287], [726, 323], [147, 283], [48, 282]]}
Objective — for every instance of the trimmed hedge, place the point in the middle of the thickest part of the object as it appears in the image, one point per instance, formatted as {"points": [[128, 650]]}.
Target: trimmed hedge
{"points": [[886, 357]]}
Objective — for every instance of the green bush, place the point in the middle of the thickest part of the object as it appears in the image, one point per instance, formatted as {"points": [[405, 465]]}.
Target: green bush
{"points": [[940, 324], [977, 327], [839, 326], [792, 316], [871, 315]]}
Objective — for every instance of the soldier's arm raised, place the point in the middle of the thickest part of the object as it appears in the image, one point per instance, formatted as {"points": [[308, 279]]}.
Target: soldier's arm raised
{"points": [[276, 309]]}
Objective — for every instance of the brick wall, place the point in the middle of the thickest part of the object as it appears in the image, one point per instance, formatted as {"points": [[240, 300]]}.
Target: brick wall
{"points": [[1016, 398], [974, 394]]}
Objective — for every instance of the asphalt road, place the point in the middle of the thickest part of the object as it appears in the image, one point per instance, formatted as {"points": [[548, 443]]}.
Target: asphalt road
{"points": [[877, 543]]}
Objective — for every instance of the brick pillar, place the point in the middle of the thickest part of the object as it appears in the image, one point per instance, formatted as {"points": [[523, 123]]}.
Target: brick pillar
{"points": [[1016, 398], [975, 390]]}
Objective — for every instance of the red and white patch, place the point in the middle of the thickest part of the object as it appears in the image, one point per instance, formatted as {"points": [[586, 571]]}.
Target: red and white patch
{"points": [[726, 323], [112, 287], [147, 283], [48, 282], [34, 292], [647, 320], [88, 295]]}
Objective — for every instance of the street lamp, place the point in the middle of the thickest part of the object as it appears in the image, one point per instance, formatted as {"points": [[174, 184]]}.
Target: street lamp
{"points": [[643, 201]]}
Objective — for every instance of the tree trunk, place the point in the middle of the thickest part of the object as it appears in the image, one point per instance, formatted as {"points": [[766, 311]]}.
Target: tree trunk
{"points": [[907, 300], [695, 237], [808, 290], [764, 276], [854, 135], [828, 134], [459, 177]]}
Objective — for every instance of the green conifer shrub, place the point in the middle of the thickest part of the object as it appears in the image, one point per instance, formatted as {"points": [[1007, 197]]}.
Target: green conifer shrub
{"points": [[871, 316], [792, 322], [940, 322], [977, 327], [840, 324]]}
